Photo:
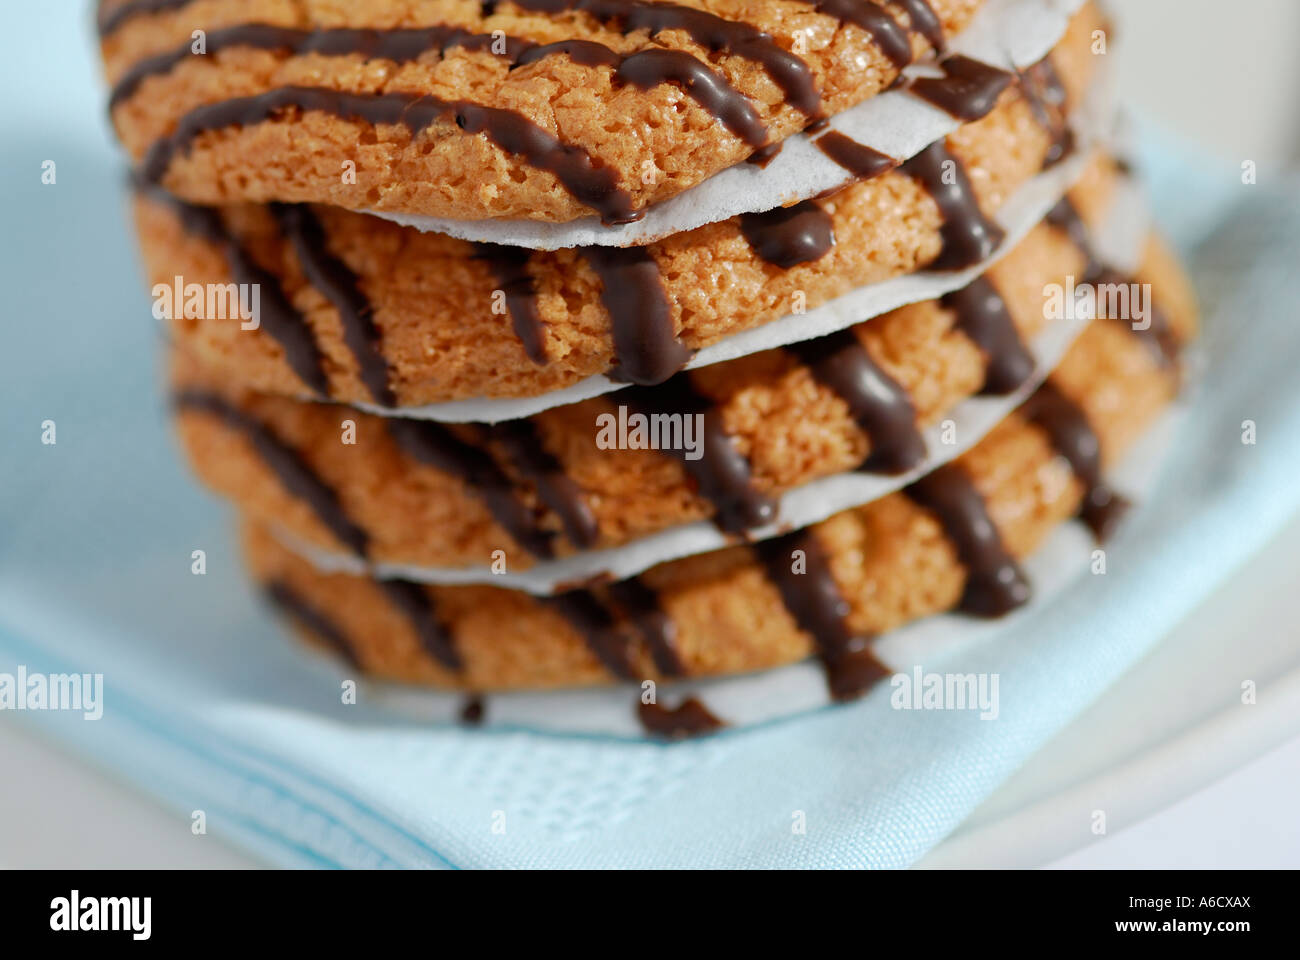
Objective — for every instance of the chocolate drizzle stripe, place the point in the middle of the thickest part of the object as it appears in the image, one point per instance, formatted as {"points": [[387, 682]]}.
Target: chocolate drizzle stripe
{"points": [[1158, 335], [995, 584], [1064, 216], [722, 474], [1073, 438], [640, 606], [765, 155], [520, 440], [924, 21], [294, 473], [585, 177], [789, 236], [611, 644], [690, 718], [587, 53], [646, 348], [292, 603], [878, 404], [341, 287], [436, 445], [474, 711], [982, 315], [509, 265], [968, 236], [819, 608], [413, 600], [715, 34], [967, 91], [280, 318], [649, 68], [1043, 90], [888, 34], [861, 161]]}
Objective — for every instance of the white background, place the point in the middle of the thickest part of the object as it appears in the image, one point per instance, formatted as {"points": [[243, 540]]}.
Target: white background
{"points": [[1187, 776]]}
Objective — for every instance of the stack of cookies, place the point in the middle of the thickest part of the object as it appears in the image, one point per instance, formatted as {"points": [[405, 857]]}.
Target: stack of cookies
{"points": [[554, 343]]}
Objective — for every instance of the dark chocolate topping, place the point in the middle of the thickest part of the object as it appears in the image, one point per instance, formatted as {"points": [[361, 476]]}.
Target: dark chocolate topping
{"points": [[857, 158], [690, 718], [1046, 95], [607, 639], [340, 286], [968, 236], [646, 348], [968, 90], [1158, 335], [522, 445], [995, 584], [722, 474], [814, 600], [765, 155], [640, 607], [788, 236], [414, 601], [295, 605], [888, 33], [877, 403], [1074, 439], [436, 445], [924, 21], [589, 181], [473, 711], [297, 477], [510, 267], [983, 316], [587, 53], [277, 316], [649, 68], [1064, 216]]}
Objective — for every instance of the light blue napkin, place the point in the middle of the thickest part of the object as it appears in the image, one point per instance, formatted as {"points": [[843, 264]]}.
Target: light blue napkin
{"points": [[209, 706]]}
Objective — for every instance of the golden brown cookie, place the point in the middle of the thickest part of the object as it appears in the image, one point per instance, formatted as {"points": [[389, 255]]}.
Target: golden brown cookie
{"points": [[434, 495], [531, 109], [951, 540], [358, 309]]}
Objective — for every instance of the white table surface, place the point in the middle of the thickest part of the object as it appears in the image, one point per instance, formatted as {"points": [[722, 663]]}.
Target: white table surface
{"points": [[1187, 775]]}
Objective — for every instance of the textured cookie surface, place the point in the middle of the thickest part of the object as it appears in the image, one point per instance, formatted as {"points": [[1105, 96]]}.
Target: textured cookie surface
{"points": [[362, 310], [451, 496], [951, 540], [532, 109]]}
